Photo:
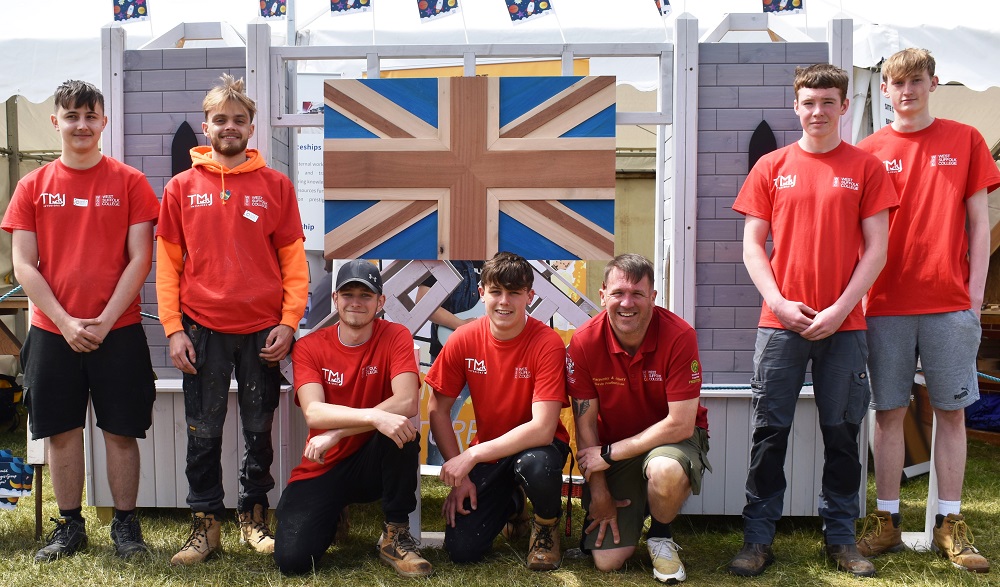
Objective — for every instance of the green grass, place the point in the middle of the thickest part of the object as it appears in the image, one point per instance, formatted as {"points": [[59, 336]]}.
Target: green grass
{"points": [[708, 542]]}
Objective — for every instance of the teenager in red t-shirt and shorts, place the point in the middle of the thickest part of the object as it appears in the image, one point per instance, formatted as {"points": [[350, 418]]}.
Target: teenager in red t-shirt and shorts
{"points": [[926, 303]]}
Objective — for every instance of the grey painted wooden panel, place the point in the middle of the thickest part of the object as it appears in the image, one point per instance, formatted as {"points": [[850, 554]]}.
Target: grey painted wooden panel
{"points": [[716, 361], [145, 59], [741, 119], [718, 97], [156, 165], [736, 295], [704, 251], [219, 57], [763, 97], [185, 58], [715, 274], [715, 230], [762, 52], [707, 119], [734, 339], [729, 252], [718, 53], [739, 74], [714, 141], [132, 81], [710, 317], [183, 101], [143, 145], [779, 74], [716, 186], [162, 79], [139, 102]]}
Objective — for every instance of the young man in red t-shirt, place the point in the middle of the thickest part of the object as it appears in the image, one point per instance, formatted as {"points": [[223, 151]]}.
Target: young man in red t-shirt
{"points": [[82, 247], [515, 369], [358, 387], [641, 434], [927, 302], [821, 200], [232, 283]]}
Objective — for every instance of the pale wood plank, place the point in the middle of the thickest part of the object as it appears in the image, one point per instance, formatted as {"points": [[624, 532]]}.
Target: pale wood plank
{"points": [[163, 458]]}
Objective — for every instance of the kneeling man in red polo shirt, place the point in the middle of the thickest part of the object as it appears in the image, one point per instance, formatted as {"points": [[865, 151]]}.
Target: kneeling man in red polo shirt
{"points": [[635, 380]]}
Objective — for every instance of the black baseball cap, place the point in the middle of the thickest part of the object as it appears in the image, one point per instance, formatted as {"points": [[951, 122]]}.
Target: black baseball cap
{"points": [[362, 272]]}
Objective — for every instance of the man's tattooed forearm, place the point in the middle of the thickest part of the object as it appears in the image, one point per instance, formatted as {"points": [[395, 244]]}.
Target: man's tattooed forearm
{"points": [[580, 406]]}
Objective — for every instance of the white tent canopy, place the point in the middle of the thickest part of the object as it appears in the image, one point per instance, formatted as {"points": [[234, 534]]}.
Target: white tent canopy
{"points": [[42, 48]]}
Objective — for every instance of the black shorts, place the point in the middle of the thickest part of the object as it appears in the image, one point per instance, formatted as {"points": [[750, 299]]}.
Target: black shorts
{"points": [[117, 376]]}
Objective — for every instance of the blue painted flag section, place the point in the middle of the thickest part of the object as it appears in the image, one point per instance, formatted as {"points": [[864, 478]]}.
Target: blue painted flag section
{"points": [[524, 10], [348, 6], [663, 6], [432, 9], [784, 6], [125, 10], [273, 9]]}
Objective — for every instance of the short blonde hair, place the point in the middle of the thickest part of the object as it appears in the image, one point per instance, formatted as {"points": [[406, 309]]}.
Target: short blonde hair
{"points": [[229, 90], [906, 63]]}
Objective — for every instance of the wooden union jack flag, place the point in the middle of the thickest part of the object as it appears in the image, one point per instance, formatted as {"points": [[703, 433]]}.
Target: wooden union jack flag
{"points": [[459, 168]]}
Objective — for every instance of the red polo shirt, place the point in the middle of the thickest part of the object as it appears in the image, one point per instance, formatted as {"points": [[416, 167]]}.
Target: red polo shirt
{"points": [[633, 391]]}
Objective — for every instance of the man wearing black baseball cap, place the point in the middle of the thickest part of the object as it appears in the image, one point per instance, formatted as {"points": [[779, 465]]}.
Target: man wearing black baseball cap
{"points": [[358, 387]]}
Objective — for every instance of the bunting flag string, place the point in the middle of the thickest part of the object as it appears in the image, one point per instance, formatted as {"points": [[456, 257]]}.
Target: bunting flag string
{"points": [[275, 9], [663, 6], [784, 6], [431, 9], [523, 10], [125, 10], [347, 6]]}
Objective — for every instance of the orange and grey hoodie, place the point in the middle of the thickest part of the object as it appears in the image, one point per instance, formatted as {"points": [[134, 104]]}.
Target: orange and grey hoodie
{"points": [[230, 251]]}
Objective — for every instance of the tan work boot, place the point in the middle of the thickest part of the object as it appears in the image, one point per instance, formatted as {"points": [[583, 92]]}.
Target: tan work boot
{"points": [[518, 524], [204, 541], [543, 552], [880, 534], [953, 540], [399, 550], [254, 531]]}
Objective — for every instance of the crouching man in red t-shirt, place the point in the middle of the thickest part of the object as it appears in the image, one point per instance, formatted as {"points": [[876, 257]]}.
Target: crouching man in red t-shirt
{"points": [[642, 434], [353, 380], [514, 366]]}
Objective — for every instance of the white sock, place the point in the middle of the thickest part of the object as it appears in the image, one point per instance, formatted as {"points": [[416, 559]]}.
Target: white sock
{"points": [[888, 505], [949, 507]]}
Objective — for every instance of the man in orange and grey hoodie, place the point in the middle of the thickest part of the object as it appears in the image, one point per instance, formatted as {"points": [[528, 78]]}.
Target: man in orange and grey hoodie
{"points": [[232, 283]]}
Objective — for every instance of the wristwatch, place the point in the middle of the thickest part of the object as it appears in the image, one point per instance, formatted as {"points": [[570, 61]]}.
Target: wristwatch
{"points": [[606, 454]]}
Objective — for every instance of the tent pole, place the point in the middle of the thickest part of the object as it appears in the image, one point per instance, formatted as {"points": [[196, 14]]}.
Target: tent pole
{"points": [[14, 160]]}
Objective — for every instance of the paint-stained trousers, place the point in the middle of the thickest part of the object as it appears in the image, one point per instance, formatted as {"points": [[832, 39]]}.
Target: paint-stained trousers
{"points": [[537, 470], [206, 398]]}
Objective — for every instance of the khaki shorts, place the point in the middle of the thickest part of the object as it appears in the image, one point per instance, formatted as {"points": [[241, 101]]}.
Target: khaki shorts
{"points": [[627, 480]]}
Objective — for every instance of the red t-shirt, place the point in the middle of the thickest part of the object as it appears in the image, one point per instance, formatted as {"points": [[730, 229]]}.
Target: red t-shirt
{"points": [[815, 203], [356, 377], [935, 170], [633, 391], [231, 280], [504, 376], [81, 219]]}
